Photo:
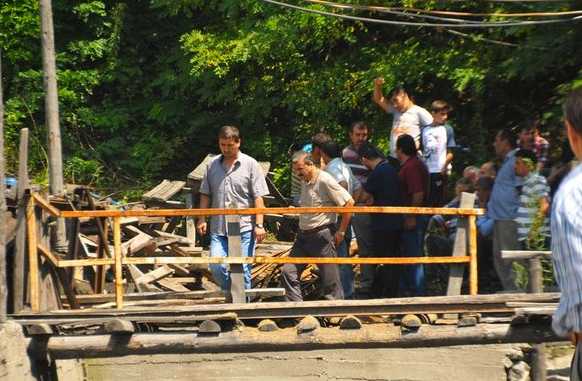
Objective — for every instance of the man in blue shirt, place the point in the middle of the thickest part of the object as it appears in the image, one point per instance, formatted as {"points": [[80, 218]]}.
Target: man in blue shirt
{"points": [[232, 177], [502, 208], [567, 239]]}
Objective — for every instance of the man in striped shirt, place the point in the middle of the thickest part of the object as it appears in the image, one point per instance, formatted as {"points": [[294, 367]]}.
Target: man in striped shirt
{"points": [[533, 225], [567, 239]]}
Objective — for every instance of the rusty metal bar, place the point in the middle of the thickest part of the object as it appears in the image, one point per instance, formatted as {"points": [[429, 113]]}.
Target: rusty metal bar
{"points": [[246, 211]]}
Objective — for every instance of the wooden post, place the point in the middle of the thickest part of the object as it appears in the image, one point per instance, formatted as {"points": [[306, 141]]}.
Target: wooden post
{"points": [[3, 274], [467, 200], [190, 223], [118, 267], [237, 274], [56, 185], [33, 275], [539, 357], [19, 283]]}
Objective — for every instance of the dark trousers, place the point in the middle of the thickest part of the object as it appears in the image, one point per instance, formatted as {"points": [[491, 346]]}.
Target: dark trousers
{"points": [[318, 244], [437, 189], [386, 244]]}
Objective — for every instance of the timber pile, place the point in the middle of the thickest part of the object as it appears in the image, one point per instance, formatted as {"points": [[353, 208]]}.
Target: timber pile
{"points": [[143, 236]]}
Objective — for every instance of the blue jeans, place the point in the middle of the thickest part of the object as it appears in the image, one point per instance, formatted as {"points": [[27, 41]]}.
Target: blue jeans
{"points": [[346, 271], [219, 248], [412, 278]]}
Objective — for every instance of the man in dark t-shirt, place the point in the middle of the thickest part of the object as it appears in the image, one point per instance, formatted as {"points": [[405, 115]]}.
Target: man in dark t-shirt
{"points": [[382, 189]]}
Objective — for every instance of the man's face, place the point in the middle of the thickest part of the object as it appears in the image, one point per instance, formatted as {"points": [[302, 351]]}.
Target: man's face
{"points": [[366, 163], [439, 117], [303, 170], [471, 176], [526, 138], [500, 145], [521, 167], [399, 102], [359, 136], [228, 147]]}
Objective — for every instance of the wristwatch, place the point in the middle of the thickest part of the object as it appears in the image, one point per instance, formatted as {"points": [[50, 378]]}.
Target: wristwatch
{"points": [[260, 226]]}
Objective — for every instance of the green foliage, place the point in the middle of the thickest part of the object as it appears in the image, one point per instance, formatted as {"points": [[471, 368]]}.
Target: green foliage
{"points": [[144, 85]]}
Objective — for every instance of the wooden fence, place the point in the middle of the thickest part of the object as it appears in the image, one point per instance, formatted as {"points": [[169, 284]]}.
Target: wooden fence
{"points": [[37, 248]]}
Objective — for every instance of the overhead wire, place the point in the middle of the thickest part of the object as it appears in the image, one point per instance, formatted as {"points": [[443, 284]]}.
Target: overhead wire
{"points": [[494, 24], [378, 8]]}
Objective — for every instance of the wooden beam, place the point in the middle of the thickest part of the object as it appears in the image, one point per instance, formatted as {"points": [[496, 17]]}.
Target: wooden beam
{"points": [[46, 205], [520, 254], [23, 186], [251, 340], [155, 275]]}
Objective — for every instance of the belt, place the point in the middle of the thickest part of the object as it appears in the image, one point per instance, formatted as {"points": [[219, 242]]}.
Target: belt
{"points": [[575, 337], [317, 229]]}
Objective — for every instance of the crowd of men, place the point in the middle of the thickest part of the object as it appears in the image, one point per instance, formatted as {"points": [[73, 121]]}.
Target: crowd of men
{"points": [[515, 194]]}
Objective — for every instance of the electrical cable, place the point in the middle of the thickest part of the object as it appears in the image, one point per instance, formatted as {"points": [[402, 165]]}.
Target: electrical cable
{"points": [[419, 24]]}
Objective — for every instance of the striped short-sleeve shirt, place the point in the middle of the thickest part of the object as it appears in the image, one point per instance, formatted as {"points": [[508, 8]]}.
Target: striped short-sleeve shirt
{"points": [[534, 188]]}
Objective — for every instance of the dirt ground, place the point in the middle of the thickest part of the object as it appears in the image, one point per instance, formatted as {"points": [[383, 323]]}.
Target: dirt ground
{"points": [[475, 363]]}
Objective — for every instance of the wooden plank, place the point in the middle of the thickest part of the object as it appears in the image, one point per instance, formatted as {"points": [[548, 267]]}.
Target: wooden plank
{"points": [[164, 191], [136, 273], [155, 275], [140, 243], [179, 270], [22, 187], [247, 341], [46, 205], [526, 254], [172, 286]]}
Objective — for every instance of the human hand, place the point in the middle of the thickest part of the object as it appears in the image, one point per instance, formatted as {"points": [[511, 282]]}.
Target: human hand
{"points": [[339, 237], [201, 226], [260, 234], [380, 81]]}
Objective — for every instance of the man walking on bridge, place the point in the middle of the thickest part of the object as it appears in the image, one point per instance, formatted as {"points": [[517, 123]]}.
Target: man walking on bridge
{"points": [[317, 236], [232, 177]]}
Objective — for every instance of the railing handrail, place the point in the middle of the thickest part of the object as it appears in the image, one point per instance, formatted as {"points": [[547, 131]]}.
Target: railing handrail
{"points": [[119, 259]]}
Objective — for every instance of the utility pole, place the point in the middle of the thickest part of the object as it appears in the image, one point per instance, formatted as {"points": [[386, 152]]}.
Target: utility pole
{"points": [[3, 274], [56, 184]]}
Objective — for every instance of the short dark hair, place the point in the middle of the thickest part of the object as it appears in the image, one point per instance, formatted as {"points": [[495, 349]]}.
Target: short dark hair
{"points": [[506, 134], [465, 183], [360, 125], [486, 183], [320, 138], [440, 105], [301, 155], [527, 154], [406, 144], [331, 149], [528, 125], [369, 152], [573, 109], [398, 90], [229, 132]]}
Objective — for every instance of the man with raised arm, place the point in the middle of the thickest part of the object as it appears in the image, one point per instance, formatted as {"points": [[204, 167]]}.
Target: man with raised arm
{"points": [[232, 177], [408, 117]]}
